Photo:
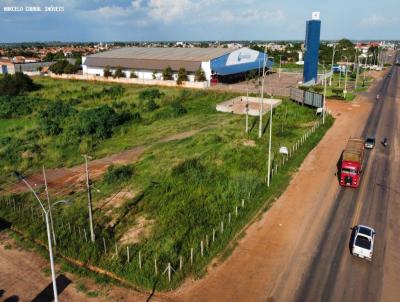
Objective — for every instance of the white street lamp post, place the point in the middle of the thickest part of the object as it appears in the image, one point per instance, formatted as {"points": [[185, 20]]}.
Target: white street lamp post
{"points": [[333, 57], [345, 80], [46, 214]]}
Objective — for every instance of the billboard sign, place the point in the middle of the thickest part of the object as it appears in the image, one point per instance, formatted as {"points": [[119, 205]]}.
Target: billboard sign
{"points": [[242, 56]]}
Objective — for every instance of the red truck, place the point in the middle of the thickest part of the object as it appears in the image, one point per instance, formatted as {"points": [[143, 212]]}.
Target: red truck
{"points": [[352, 161]]}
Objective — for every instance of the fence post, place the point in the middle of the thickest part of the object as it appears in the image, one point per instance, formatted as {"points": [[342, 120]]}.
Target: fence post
{"points": [[191, 257], [201, 248], [84, 230], [213, 235], [207, 241], [105, 247], [229, 218], [222, 227], [116, 249], [242, 203], [236, 211], [155, 266], [140, 260], [169, 272], [127, 253], [180, 263]]}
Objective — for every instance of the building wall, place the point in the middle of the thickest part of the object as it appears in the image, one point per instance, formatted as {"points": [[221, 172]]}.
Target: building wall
{"points": [[313, 29], [141, 74]]}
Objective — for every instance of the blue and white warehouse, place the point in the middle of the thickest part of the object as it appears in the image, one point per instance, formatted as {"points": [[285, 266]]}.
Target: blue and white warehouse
{"points": [[148, 63]]}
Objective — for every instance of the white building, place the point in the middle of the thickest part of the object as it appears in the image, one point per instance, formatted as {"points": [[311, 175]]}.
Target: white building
{"points": [[149, 63]]}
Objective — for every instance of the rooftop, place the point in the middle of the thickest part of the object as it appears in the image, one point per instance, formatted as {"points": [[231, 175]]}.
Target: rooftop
{"points": [[174, 54]]}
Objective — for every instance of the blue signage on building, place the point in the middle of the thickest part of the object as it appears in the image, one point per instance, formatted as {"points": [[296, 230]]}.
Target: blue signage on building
{"points": [[313, 31]]}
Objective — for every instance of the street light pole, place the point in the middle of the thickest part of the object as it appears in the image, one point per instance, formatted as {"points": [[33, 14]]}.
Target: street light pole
{"points": [[324, 99], [46, 213], [262, 100], [270, 142], [345, 80], [92, 236], [48, 202], [333, 57]]}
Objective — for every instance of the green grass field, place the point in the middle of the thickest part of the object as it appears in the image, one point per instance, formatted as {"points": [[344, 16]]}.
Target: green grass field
{"points": [[181, 189]]}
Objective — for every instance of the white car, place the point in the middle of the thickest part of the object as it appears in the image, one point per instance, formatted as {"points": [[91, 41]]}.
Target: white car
{"points": [[363, 242]]}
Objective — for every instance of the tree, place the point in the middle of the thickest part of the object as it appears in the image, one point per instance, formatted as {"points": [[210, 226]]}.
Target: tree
{"points": [[182, 76], [107, 72], [70, 69], [154, 75], [133, 75], [16, 84], [59, 66], [119, 73], [200, 76], [167, 73]]}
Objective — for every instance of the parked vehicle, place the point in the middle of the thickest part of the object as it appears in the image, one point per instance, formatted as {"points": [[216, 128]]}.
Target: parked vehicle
{"points": [[363, 242], [352, 162], [385, 142], [369, 143], [378, 97]]}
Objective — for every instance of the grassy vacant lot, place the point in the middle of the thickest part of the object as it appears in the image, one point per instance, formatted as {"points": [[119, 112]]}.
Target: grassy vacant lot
{"points": [[175, 196]]}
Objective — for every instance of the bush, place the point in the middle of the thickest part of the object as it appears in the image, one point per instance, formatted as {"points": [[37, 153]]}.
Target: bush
{"points": [[118, 174], [318, 89], [106, 72], [151, 105], [119, 73], [182, 76], [63, 66], [200, 76], [52, 117], [337, 91], [133, 75], [16, 84], [11, 107], [178, 109], [167, 73], [150, 93]]}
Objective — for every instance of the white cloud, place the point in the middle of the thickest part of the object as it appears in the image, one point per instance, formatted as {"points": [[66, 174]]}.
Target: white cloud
{"points": [[169, 10], [136, 3], [377, 20]]}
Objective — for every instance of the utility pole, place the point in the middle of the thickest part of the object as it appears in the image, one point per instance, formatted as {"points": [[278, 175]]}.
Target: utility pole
{"points": [[324, 99], [345, 78], [357, 59], [48, 202], [92, 237], [247, 109], [333, 57], [262, 99], [270, 143]]}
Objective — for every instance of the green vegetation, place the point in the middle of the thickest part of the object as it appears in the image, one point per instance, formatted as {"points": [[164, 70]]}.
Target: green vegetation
{"points": [[182, 76], [167, 73], [17, 84], [63, 66], [181, 188]]}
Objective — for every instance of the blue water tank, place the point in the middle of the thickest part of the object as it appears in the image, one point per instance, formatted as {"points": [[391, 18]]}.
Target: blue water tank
{"points": [[313, 30]]}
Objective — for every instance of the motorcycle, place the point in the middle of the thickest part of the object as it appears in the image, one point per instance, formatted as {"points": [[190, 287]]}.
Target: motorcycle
{"points": [[378, 97], [385, 142]]}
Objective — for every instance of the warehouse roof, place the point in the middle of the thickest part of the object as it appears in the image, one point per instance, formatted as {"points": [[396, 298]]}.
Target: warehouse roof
{"points": [[173, 54]]}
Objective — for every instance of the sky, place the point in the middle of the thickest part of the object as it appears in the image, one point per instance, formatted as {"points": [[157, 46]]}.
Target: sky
{"points": [[188, 20]]}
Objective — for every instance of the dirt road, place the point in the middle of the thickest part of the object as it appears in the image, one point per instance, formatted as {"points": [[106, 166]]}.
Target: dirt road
{"points": [[69, 179]]}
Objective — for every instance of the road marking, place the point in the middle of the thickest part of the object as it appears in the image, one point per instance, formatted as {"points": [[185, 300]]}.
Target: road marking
{"points": [[357, 214]]}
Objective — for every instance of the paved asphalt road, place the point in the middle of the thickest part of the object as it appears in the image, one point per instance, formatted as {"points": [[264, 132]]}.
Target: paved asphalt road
{"points": [[334, 274]]}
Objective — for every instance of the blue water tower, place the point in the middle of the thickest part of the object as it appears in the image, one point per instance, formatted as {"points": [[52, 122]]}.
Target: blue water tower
{"points": [[313, 30]]}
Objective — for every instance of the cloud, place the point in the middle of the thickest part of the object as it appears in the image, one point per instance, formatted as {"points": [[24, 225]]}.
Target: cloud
{"points": [[169, 10], [136, 3], [377, 20]]}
